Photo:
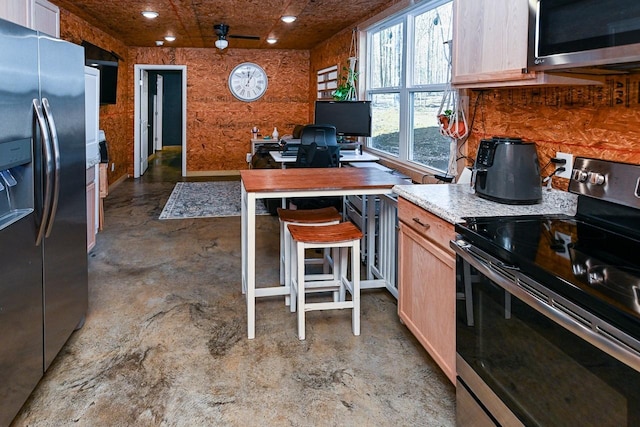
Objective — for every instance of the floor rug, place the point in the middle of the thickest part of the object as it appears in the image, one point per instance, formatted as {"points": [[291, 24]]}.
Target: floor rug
{"points": [[206, 200]]}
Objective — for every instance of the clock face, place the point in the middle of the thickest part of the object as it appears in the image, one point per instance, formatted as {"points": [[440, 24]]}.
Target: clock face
{"points": [[248, 81]]}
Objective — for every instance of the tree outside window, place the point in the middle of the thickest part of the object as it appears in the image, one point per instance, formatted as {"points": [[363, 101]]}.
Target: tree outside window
{"points": [[408, 65]]}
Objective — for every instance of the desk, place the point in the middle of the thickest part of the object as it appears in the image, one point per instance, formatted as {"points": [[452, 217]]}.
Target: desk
{"points": [[308, 182], [346, 156]]}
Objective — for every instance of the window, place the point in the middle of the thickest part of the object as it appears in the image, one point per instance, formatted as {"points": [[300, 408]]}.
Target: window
{"points": [[408, 69]]}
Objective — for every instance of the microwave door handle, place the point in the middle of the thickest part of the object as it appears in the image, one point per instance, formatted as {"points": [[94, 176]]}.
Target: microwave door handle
{"points": [[47, 163], [56, 161]]}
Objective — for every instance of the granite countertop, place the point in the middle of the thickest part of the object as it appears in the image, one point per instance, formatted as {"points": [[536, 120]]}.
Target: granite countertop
{"points": [[452, 202]]}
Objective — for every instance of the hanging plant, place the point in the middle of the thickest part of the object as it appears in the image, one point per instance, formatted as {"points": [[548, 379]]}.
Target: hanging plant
{"points": [[346, 90], [451, 125]]}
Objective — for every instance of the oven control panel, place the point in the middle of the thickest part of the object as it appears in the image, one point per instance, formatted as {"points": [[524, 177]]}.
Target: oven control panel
{"points": [[602, 179]]}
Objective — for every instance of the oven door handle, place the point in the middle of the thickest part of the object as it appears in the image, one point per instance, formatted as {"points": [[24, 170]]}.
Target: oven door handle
{"points": [[463, 245], [571, 317]]}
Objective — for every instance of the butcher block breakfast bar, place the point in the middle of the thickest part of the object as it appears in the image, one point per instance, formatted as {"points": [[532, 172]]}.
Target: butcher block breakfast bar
{"points": [[302, 182]]}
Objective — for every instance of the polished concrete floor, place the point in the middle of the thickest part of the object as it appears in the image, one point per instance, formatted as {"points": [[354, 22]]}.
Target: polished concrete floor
{"points": [[164, 341]]}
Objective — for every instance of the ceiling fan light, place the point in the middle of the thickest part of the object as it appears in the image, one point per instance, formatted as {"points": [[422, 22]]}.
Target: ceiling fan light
{"points": [[288, 19], [169, 38], [149, 14], [272, 40], [222, 44]]}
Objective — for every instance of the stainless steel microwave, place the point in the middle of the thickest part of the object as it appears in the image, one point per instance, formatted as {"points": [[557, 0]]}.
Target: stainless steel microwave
{"points": [[584, 34]]}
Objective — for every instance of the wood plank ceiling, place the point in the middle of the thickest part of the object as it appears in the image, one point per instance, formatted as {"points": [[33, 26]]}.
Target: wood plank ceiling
{"points": [[192, 21]]}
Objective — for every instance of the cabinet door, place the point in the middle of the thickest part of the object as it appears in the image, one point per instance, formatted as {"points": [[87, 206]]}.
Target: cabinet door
{"points": [[17, 11], [490, 40], [46, 18], [427, 296]]}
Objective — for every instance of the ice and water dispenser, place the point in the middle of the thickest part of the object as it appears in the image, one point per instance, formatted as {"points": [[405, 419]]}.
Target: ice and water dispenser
{"points": [[16, 181]]}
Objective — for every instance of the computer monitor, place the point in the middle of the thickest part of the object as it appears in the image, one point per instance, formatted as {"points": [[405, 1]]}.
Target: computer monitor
{"points": [[351, 118]]}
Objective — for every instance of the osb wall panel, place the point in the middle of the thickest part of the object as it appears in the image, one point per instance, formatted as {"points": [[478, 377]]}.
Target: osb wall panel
{"points": [[590, 121], [116, 120], [219, 125], [334, 51]]}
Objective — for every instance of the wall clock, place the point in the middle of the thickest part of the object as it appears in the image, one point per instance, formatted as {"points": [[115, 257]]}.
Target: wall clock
{"points": [[248, 81]]}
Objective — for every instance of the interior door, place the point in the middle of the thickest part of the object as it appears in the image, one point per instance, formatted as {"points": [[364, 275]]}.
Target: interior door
{"points": [[157, 123], [144, 121]]}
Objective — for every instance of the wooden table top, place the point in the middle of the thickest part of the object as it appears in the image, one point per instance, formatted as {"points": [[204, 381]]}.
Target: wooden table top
{"points": [[309, 179]]}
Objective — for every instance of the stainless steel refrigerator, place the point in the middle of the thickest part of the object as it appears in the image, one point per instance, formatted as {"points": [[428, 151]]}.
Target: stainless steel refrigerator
{"points": [[43, 260]]}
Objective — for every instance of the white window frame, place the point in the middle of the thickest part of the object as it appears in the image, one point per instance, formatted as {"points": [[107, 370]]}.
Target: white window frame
{"points": [[405, 90]]}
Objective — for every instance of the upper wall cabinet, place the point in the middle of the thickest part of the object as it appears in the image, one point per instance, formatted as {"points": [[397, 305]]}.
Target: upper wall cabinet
{"points": [[39, 15], [490, 40]]}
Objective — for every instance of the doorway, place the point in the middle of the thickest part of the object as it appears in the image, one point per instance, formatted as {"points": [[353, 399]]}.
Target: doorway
{"points": [[154, 108]]}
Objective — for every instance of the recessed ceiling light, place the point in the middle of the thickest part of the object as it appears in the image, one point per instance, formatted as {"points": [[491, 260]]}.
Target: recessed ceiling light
{"points": [[149, 14], [288, 19], [169, 38], [272, 40], [159, 42]]}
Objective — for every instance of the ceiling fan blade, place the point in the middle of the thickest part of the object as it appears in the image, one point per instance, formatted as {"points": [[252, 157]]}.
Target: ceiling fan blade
{"points": [[239, 36]]}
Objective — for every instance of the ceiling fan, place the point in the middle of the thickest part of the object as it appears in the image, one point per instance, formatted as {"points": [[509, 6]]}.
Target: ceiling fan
{"points": [[222, 31]]}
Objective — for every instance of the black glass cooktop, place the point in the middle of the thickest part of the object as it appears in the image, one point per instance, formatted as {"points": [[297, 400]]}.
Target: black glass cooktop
{"points": [[593, 266]]}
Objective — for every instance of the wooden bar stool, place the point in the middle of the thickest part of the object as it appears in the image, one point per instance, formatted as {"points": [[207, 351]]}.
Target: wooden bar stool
{"points": [[304, 217], [343, 236]]}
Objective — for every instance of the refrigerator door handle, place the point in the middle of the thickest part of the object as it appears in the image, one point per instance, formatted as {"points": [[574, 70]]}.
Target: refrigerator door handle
{"points": [[56, 163], [48, 168]]}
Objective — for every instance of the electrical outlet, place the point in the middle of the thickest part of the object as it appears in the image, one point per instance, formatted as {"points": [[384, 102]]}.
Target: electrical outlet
{"points": [[248, 157], [113, 166], [568, 166]]}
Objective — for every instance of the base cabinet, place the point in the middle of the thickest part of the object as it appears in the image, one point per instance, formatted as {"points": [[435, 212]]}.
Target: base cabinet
{"points": [[427, 293]]}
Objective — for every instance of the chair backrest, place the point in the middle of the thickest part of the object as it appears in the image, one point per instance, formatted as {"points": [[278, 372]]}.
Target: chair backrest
{"points": [[318, 147], [322, 135], [315, 156]]}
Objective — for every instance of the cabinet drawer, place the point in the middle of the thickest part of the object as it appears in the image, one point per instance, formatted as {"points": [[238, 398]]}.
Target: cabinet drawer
{"points": [[426, 224]]}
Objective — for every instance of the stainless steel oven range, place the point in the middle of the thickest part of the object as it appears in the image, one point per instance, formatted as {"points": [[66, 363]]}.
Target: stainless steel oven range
{"points": [[548, 314]]}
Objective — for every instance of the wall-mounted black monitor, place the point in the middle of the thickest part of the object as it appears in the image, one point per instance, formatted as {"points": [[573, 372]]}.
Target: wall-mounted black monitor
{"points": [[351, 118], [107, 63]]}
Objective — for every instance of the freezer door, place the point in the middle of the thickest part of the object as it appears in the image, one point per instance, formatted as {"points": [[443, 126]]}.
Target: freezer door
{"points": [[20, 316], [65, 243], [21, 352]]}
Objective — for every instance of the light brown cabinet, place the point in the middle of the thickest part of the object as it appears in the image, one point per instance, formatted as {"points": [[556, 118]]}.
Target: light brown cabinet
{"points": [[490, 44], [426, 282]]}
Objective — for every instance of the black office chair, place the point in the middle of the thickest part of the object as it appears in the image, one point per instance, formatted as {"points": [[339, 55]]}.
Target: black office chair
{"points": [[318, 149]]}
